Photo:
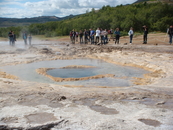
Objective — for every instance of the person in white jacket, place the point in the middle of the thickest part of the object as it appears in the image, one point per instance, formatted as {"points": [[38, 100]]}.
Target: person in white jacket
{"points": [[97, 35], [130, 33]]}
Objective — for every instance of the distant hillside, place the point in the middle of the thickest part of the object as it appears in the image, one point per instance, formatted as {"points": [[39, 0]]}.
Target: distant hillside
{"points": [[153, 1], [8, 22], [138, 1]]}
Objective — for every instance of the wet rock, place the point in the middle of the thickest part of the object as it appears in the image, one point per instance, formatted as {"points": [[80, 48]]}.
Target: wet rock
{"points": [[45, 50], [62, 98], [2, 52], [134, 98], [160, 103], [150, 122], [21, 50]]}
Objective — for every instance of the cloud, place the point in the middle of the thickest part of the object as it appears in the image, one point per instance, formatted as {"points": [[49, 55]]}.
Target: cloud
{"points": [[59, 8]]}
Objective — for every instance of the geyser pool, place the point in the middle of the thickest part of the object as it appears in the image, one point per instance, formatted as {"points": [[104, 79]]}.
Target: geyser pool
{"points": [[123, 74]]}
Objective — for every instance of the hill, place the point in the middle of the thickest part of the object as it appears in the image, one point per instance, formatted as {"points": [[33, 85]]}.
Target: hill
{"points": [[8, 22], [154, 1], [138, 1]]}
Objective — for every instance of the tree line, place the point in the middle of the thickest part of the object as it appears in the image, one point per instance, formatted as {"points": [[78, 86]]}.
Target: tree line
{"points": [[157, 16]]}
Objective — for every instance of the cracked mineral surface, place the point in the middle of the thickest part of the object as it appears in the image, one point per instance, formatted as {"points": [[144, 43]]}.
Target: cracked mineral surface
{"points": [[145, 105]]}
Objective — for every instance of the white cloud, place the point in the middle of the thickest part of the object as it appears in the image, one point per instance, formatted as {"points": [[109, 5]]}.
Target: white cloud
{"points": [[59, 8]]}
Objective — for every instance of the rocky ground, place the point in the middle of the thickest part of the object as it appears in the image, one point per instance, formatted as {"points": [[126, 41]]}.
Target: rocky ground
{"points": [[147, 105]]}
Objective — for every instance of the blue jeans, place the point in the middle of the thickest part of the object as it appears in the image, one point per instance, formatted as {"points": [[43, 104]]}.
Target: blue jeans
{"points": [[92, 39], [81, 39], [170, 39], [145, 38], [131, 37], [105, 39], [11, 40]]}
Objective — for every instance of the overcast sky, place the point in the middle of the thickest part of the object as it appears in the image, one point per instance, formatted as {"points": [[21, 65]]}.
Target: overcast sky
{"points": [[59, 8]]}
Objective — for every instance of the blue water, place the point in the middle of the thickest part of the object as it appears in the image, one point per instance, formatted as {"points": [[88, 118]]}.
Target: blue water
{"points": [[72, 72], [123, 74]]}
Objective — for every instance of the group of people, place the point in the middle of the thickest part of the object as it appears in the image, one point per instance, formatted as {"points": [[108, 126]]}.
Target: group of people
{"points": [[12, 38], [94, 36], [25, 37]]}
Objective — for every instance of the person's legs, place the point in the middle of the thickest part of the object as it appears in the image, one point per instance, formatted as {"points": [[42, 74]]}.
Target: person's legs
{"points": [[73, 40], [131, 37], [170, 39], [145, 39], [92, 39], [102, 39], [29, 41], [82, 39], [25, 41], [86, 39], [118, 39], [97, 39], [11, 40]]}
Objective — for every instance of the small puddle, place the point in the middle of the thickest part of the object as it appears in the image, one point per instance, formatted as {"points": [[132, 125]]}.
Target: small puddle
{"points": [[40, 118], [162, 103], [104, 110], [150, 122], [90, 102]]}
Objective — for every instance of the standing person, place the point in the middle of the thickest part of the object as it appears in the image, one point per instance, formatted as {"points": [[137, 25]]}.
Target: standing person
{"points": [[29, 38], [13, 38], [86, 36], [170, 32], [102, 36], [10, 38], [105, 36], [97, 35], [77, 36], [73, 36], [89, 38], [25, 38], [145, 28], [111, 34], [117, 35], [92, 33], [131, 34], [81, 36]]}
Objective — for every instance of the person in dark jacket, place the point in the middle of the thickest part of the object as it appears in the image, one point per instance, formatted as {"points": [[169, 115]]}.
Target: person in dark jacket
{"points": [[170, 33], [10, 38], [145, 28]]}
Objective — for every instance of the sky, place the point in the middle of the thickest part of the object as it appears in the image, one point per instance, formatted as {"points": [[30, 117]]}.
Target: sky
{"points": [[58, 8]]}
